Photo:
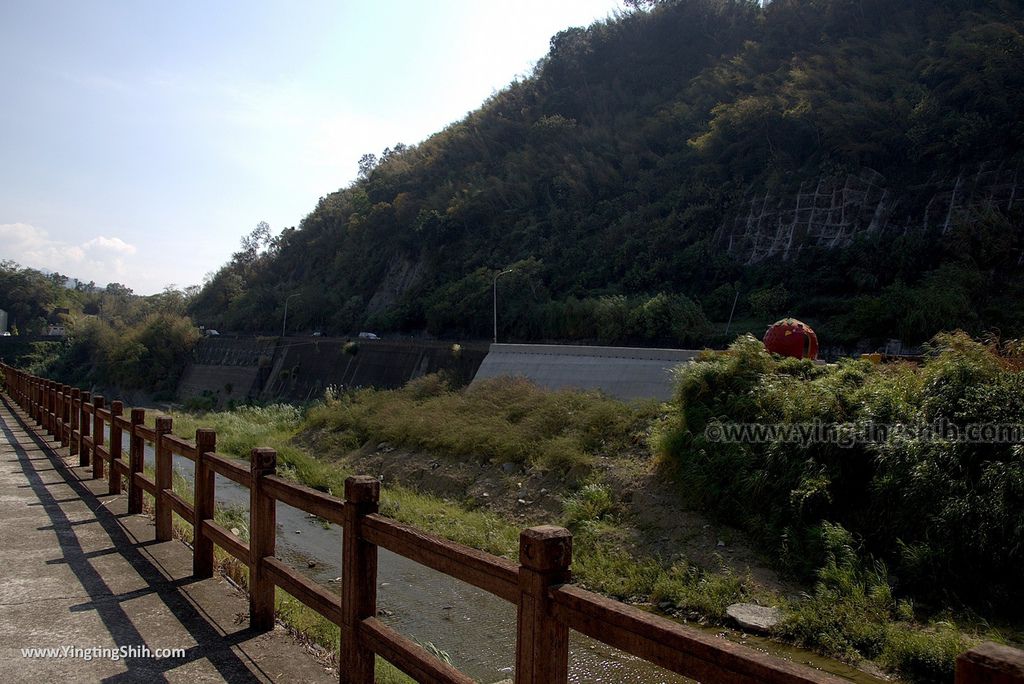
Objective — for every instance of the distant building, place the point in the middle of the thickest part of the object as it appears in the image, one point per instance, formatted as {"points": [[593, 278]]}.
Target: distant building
{"points": [[3, 321], [56, 330]]}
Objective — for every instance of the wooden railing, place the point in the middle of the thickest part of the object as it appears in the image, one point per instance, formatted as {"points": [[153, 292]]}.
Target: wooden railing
{"points": [[548, 606]]}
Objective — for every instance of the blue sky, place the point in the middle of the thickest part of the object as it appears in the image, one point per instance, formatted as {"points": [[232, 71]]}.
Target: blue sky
{"points": [[140, 140]]}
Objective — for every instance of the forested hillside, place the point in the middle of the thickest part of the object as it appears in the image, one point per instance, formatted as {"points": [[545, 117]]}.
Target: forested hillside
{"points": [[850, 162]]}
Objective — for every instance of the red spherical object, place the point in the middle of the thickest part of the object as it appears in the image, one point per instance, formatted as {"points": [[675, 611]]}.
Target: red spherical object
{"points": [[790, 337]]}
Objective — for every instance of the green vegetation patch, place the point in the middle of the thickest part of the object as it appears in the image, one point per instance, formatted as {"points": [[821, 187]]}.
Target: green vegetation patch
{"points": [[939, 512], [500, 420]]}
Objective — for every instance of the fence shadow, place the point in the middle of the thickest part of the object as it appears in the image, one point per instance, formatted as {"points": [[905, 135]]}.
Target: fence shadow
{"points": [[210, 645]]}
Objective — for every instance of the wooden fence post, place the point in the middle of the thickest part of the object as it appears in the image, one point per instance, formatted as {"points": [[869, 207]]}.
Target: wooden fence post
{"points": [[164, 480], [202, 546], [65, 417], [358, 579], [50, 405], [136, 461], [542, 642], [40, 402], [116, 409], [47, 407], [98, 403], [44, 399], [55, 417], [262, 538], [51, 408], [76, 399], [83, 431], [990, 663]]}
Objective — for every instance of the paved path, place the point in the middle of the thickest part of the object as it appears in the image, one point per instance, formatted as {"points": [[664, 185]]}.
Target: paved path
{"points": [[76, 570]]}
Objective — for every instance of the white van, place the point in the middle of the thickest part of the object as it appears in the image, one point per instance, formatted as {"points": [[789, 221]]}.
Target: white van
{"points": [[368, 336]]}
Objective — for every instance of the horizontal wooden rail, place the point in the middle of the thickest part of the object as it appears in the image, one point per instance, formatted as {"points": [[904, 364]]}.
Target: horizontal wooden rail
{"points": [[146, 433], [227, 541], [144, 483], [990, 663], [311, 594], [229, 468], [102, 452], [407, 655], [104, 414], [123, 423], [180, 446], [306, 499], [490, 573], [670, 645], [121, 467], [181, 507]]}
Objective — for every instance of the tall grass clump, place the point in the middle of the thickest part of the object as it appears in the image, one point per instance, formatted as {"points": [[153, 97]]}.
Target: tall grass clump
{"points": [[499, 420], [240, 430], [852, 613], [941, 513]]}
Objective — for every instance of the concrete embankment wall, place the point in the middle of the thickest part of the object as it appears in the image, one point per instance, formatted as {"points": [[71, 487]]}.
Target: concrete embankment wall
{"points": [[304, 368], [228, 368], [621, 372], [301, 368]]}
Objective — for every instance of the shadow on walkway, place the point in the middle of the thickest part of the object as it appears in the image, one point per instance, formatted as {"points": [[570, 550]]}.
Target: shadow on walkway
{"points": [[34, 454]]}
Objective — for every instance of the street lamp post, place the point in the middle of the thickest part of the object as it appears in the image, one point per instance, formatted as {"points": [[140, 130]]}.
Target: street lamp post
{"points": [[284, 321], [494, 290], [731, 313]]}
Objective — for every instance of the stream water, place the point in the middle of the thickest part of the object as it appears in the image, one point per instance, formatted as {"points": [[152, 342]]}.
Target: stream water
{"points": [[476, 629]]}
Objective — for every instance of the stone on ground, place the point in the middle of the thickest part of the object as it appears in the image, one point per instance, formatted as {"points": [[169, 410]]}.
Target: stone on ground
{"points": [[754, 618]]}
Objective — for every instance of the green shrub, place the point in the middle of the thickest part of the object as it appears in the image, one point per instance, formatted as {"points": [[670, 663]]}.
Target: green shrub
{"points": [[207, 401], [939, 513], [696, 593], [592, 503]]}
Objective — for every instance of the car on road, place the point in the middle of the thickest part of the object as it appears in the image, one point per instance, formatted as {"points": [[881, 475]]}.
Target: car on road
{"points": [[368, 336]]}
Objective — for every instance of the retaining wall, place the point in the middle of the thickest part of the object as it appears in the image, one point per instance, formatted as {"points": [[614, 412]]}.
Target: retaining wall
{"points": [[301, 368], [304, 368], [228, 368], [621, 372]]}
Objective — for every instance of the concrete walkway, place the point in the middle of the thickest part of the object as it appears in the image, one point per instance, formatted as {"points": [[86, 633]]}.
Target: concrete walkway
{"points": [[77, 571]]}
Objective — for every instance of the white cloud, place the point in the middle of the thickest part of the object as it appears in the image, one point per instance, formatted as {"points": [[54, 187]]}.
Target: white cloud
{"points": [[105, 244], [102, 258]]}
